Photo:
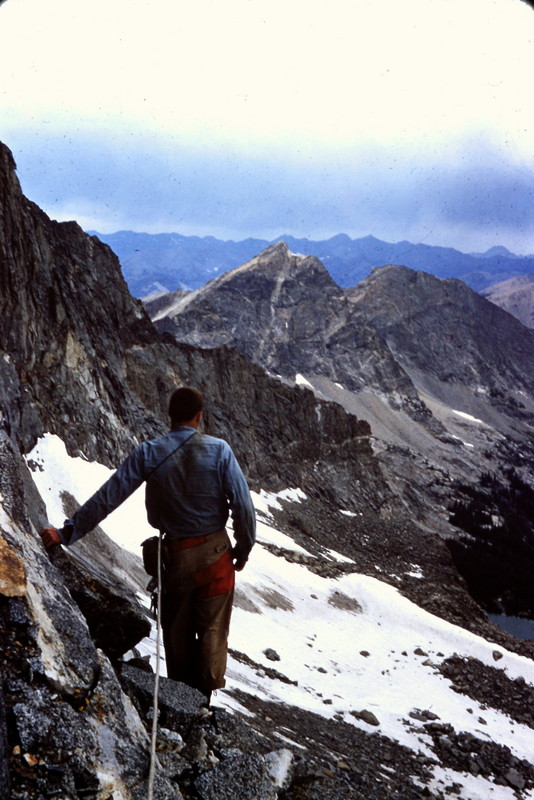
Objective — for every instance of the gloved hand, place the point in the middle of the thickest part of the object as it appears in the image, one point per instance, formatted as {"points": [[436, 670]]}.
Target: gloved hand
{"points": [[50, 537]]}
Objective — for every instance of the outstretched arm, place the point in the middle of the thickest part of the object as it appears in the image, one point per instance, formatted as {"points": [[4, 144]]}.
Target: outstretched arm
{"points": [[128, 477]]}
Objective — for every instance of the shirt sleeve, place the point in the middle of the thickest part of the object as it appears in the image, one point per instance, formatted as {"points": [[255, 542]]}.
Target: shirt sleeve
{"points": [[128, 477], [241, 506]]}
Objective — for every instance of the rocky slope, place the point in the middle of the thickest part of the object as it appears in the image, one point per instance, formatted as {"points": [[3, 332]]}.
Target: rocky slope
{"points": [[285, 313], [443, 330], [516, 296], [80, 358]]}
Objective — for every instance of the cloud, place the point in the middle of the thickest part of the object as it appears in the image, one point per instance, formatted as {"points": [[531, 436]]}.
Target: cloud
{"points": [[406, 120], [469, 194]]}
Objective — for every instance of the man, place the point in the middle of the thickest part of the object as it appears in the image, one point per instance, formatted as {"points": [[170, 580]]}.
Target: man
{"points": [[193, 481]]}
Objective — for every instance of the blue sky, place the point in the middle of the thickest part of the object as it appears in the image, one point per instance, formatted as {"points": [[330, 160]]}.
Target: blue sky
{"points": [[246, 118]]}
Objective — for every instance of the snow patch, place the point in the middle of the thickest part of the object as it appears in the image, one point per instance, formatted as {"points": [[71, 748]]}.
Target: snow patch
{"points": [[465, 444], [415, 571], [267, 500], [300, 380], [468, 416], [339, 557], [55, 472], [278, 766], [473, 788], [266, 534]]}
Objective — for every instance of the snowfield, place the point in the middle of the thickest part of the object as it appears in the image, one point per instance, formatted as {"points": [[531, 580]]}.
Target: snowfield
{"points": [[347, 644]]}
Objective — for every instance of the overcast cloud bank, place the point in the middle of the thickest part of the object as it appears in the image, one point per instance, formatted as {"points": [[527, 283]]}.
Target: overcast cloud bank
{"points": [[246, 119]]}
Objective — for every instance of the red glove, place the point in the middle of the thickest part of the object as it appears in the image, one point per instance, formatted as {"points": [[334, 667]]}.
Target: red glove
{"points": [[50, 537]]}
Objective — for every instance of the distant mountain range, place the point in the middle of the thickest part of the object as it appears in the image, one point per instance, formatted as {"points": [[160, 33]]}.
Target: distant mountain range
{"points": [[169, 261]]}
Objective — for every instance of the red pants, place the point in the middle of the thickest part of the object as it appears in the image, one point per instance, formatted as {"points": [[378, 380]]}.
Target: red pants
{"points": [[198, 590]]}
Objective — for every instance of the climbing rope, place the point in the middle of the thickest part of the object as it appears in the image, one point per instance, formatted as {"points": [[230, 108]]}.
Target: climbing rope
{"points": [[153, 759]]}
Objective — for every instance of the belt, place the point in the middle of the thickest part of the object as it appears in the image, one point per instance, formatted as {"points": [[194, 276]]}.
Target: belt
{"points": [[175, 545]]}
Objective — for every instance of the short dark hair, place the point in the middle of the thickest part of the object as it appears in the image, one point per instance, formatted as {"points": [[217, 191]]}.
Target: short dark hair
{"points": [[185, 403]]}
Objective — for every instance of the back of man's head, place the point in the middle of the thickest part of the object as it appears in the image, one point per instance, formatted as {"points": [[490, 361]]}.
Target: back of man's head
{"points": [[185, 403]]}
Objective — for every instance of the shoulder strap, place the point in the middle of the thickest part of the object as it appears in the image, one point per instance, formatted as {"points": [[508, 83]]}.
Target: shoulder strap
{"points": [[169, 455]]}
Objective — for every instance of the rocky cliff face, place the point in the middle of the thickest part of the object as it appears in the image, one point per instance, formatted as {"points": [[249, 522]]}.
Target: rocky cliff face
{"points": [[56, 373]]}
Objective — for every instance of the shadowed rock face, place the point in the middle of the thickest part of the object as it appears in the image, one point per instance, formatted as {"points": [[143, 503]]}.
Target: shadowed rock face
{"points": [[56, 373]]}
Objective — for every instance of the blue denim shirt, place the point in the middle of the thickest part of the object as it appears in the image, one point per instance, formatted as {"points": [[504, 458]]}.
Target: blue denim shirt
{"points": [[193, 482]]}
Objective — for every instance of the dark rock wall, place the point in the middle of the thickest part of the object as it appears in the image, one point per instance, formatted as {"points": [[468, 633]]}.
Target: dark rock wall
{"points": [[65, 320]]}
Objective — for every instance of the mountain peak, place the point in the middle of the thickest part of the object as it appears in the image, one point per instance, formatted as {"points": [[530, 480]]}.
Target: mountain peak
{"points": [[280, 246], [495, 251], [277, 263]]}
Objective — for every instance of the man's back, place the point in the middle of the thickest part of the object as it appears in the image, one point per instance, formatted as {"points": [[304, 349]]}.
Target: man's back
{"points": [[188, 494]]}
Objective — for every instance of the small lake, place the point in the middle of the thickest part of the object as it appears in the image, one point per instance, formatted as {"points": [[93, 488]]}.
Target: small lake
{"points": [[517, 626]]}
